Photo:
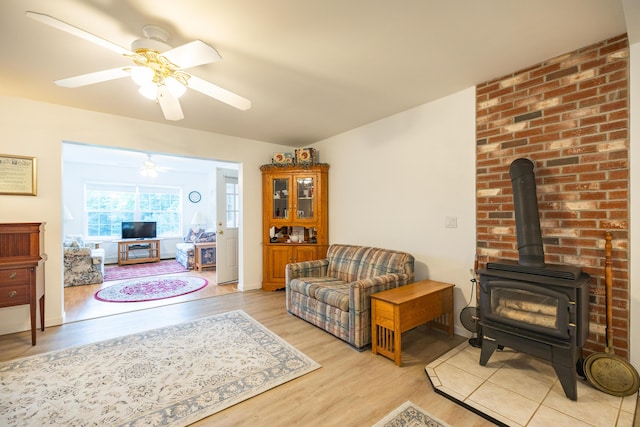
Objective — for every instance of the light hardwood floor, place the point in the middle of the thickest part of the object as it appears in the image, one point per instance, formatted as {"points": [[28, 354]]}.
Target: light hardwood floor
{"points": [[350, 389]]}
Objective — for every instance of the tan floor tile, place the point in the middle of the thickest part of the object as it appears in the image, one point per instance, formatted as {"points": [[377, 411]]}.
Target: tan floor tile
{"points": [[587, 408], [526, 376], [625, 420], [513, 406], [545, 417], [497, 416], [629, 403], [469, 361], [457, 379], [590, 392]]}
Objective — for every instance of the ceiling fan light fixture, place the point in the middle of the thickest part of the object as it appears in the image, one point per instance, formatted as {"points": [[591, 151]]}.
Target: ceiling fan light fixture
{"points": [[148, 168], [176, 88], [158, 67], [142, 75], [149, 91], [151, 173]]}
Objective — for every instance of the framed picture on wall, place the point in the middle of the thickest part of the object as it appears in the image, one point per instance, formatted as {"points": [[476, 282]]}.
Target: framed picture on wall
{"points": [[18, 175]]}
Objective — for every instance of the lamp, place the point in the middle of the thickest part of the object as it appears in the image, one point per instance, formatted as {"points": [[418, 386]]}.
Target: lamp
{"points": [[199, 219]]}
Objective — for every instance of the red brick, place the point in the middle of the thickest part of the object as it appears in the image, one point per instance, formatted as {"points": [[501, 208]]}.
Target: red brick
{"points": [[590, 121]]}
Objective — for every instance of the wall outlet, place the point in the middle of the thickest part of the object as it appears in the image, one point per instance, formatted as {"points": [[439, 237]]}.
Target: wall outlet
{"points": [[450, 222]]}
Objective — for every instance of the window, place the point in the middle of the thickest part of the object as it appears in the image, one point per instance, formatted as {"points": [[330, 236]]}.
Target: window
{"points": [[107, 205], [232, 200]]}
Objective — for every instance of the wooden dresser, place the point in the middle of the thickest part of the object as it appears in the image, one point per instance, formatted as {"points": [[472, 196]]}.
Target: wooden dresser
{"points": [[22, 268]]}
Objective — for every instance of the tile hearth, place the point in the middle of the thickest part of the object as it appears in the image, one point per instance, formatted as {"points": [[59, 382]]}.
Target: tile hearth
{"points": [[519, 390]]}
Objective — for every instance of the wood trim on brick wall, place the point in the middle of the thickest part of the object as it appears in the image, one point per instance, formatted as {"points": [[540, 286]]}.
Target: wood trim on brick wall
{"points": [[570, 116]]}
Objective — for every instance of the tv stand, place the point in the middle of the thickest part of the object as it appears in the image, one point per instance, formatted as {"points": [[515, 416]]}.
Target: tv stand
{"points": [[138, 251]]}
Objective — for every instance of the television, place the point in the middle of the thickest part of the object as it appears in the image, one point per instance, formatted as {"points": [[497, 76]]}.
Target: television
{"points": [[138, 230]]}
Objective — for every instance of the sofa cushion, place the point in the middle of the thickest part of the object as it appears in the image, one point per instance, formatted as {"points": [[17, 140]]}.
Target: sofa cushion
{"points": [[309, 285], [379, 262], [336, 295], [77, 251], [344, 261]]}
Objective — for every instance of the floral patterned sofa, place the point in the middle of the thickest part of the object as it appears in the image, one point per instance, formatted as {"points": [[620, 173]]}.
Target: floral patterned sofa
{"points": [[185, 251], [83, 265], [334, 293]]}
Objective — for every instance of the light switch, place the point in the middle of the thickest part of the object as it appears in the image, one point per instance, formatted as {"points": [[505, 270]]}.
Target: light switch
{"points": [[451, 222]]}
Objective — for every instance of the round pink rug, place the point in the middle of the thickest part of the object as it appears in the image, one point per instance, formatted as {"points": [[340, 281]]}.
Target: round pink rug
{"points": [[150, 289]]}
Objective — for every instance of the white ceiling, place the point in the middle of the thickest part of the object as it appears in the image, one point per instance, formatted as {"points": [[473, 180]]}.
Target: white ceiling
{"points": [[312, 68]]}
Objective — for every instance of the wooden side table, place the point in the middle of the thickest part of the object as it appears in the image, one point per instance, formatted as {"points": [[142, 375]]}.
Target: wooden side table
{"points": [[198, 262], [397, 310]]}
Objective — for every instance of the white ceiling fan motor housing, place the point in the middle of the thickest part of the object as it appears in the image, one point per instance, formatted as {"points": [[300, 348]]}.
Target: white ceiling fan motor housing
{"points": [[156, 39]]}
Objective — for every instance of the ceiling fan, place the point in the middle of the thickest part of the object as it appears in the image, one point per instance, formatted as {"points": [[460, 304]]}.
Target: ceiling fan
{"points": [[157, 67], [150, 168]]}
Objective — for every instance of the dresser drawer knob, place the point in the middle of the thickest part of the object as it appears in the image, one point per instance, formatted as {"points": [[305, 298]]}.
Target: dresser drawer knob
{"points": [[12, 275], [12, 294]]}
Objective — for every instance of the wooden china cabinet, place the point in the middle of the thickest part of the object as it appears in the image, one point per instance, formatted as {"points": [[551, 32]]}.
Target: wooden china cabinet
{"points": [[294, 217]]}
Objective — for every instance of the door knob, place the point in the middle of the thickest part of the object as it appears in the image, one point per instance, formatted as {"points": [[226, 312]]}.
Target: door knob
{"points": [[220, 232]]}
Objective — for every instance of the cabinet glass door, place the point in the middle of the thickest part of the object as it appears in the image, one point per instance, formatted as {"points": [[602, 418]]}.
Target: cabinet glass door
{"points": [[280, 209], [305, 205]]}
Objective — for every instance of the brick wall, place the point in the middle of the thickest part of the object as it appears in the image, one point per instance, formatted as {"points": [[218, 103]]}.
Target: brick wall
{"points": [[570, 116]]}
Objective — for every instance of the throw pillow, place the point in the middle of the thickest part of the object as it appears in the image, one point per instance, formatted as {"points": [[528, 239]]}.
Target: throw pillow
{"points": [[192, 236]]}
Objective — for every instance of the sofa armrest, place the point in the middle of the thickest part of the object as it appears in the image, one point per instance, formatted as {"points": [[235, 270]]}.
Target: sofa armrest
{"points": [[296, 270], [360, 291]]}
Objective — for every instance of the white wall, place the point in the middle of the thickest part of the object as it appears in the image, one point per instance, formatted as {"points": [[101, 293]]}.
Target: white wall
{"points": [[393, 182], [38, 129]]}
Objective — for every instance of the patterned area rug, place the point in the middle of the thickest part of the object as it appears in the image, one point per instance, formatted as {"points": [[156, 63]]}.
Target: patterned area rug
{"points": [[408, 414], [171, 376], [116, 272], [151, 289]]}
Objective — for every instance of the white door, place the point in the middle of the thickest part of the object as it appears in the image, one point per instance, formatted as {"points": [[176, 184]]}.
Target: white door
{"points": [[228, 220]]}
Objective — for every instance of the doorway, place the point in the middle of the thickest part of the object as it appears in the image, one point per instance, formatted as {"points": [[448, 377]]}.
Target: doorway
{"points": [[88, 168]]}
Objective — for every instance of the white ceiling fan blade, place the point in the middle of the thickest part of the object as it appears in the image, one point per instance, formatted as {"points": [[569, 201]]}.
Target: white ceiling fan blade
{"points": [[91, 78], [170, 105], [192, 54], [61, 25], [219, 93]]}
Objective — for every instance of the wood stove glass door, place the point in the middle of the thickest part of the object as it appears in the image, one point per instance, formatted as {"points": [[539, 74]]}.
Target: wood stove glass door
{"points": [[527, 306]]}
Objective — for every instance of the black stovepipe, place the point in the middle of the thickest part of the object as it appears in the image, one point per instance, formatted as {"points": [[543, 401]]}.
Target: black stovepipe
{"points": [[525, 205]]}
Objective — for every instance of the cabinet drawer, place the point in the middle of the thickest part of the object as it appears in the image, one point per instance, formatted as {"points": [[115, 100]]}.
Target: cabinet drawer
{"points": [[12, 277], [14, 295]]}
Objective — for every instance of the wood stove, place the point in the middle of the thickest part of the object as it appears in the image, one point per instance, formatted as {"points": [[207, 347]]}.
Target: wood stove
{"points": [[535, 308]]}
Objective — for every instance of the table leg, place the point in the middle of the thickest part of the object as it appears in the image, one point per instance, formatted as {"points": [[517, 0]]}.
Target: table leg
{"points": [[397, 336], [374, 329], [42, 313]]}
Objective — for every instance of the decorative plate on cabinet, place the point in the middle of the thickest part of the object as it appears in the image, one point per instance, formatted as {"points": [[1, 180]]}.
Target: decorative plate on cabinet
{"points": [[305, 156], [278, 159]]}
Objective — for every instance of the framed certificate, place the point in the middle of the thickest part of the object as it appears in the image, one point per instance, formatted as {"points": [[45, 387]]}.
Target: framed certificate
{"points": [[18, 175]]}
